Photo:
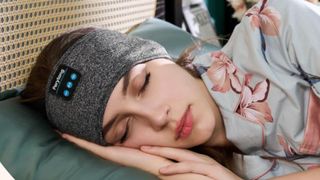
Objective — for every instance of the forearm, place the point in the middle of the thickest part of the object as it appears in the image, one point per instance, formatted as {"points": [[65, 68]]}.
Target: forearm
{"points": [[309, 174]]}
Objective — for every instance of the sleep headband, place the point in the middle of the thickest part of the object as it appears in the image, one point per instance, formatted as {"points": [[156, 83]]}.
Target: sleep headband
{"points": [[83, 79]]}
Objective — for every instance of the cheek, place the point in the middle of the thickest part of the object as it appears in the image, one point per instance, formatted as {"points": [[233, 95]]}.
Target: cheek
{"points": [[147, 136], [142, 136], [140, 141], [174, 88]]}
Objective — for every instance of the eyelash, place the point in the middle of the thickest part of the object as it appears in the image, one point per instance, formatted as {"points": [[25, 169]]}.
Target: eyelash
{"points": [[145, 84], [125, 136]]}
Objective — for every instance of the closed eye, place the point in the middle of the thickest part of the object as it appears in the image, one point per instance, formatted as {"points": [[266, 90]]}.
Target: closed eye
{"points": [[145, 84], [125, 135]]}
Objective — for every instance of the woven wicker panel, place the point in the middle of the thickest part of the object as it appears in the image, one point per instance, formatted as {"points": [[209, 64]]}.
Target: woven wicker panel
{"points": [[27, 26]]}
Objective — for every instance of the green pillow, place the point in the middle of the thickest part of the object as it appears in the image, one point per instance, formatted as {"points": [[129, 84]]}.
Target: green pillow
{"points": [[173, 38], [30, 149]]}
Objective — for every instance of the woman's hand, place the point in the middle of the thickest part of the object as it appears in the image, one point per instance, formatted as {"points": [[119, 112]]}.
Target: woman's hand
{"points": [[133, 158], [190, 162]]}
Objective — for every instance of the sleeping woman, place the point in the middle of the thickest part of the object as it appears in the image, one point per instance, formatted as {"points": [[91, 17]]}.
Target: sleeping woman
{"points": [[248, 111]]}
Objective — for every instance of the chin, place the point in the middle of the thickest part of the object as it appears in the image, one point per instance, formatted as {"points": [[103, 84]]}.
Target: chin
{"points": [[198, 140], [206, 135]]}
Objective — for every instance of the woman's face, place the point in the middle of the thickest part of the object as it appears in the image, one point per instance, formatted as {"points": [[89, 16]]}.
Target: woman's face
{"points": [[159, 103]]}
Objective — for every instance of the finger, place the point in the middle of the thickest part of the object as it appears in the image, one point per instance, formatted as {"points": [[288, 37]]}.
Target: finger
{"points": [[178, 154], [115, 154], [111, 152], [95, 148], [78, 141], [122, 155]]}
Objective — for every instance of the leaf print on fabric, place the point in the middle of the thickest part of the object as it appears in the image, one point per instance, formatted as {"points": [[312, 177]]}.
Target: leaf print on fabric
{"points": [[286, 147], [265, 18], [253, 105], [222, 73]]}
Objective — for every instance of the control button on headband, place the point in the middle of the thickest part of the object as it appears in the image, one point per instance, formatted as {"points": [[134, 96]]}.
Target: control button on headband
{"points": [[69, 84], [73, 76], [66, 93]]}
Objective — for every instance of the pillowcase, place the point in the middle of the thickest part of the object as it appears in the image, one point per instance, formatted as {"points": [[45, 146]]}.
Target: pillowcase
{"points": [[173, 38]]}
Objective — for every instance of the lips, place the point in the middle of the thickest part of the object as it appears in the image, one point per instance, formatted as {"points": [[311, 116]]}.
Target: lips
{"points": [[184, 126]]}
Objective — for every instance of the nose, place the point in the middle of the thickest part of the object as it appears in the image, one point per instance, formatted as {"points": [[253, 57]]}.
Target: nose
{"points": [[156, 116]]}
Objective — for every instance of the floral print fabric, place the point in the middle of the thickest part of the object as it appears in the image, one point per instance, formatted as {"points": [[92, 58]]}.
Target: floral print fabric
{"points": [[253, 105], [264, 17], [266, 83], [223, 73]]}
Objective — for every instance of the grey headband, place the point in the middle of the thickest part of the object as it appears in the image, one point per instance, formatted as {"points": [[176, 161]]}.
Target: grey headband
{"points": [[82, 81]]}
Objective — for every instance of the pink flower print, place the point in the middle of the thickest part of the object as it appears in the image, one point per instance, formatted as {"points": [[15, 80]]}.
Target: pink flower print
{"points": [[266, 18], [311, 140], [252, 104], [222, 73], [313, 166], [286, 147]]}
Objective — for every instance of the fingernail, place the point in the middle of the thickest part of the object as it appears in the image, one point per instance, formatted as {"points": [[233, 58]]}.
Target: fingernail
{"points": [[64, 136]]}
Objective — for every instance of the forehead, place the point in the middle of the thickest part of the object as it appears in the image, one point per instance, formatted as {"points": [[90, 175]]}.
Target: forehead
{"points": [[153, 65], [118, 90]]}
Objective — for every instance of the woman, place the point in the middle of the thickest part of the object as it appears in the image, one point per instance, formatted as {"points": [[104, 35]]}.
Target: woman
{"points": [[258, 98]]}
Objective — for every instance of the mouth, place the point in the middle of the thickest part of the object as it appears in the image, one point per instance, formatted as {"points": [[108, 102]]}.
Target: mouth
{"points": [[184, 126]]}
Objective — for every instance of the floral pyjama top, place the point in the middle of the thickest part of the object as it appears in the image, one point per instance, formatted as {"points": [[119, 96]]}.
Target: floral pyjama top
{"points": [[266, 82]]}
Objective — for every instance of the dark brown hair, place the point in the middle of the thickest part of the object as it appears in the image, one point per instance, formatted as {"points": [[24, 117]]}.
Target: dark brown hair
{"points": [[186, 58], [34, 93]]}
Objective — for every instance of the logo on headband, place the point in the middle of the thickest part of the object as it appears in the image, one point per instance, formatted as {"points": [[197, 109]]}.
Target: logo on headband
{"points": [[64, 82]]}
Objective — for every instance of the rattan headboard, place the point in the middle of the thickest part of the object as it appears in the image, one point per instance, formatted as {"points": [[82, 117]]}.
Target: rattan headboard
{"points": [[28, 25]]}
